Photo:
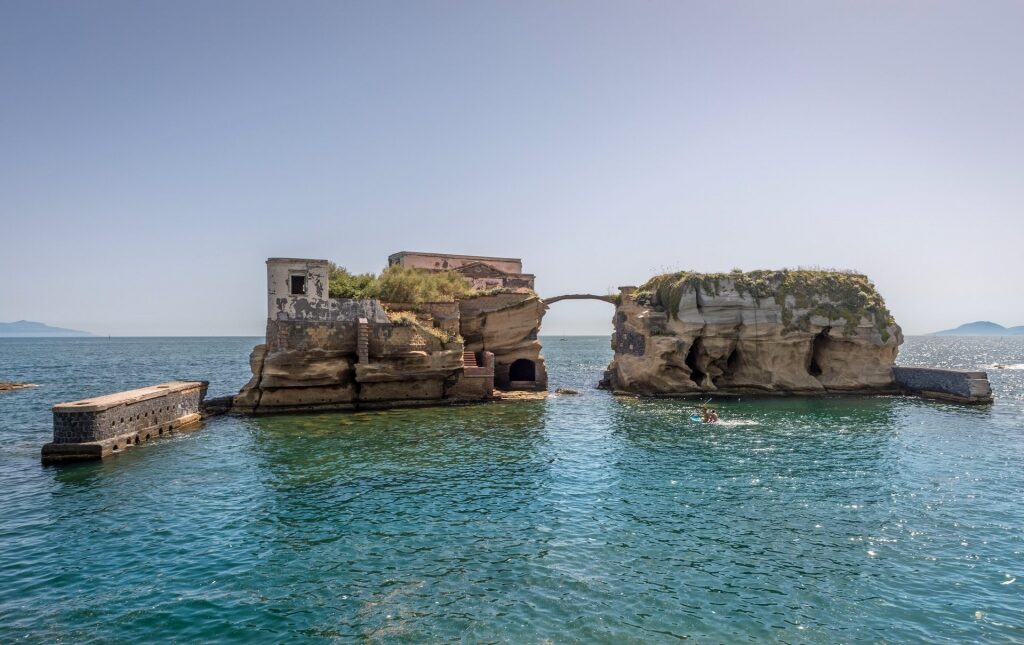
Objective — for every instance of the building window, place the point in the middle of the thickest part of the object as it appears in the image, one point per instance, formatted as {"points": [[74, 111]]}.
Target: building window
{"points": [[298, 284]]}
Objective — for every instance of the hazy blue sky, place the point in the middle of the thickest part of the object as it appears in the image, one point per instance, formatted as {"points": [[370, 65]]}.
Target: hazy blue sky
{"points": [[154, 154]]}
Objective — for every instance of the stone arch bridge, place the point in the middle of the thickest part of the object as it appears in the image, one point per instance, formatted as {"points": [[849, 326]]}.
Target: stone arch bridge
{"points": [[581, 296]]}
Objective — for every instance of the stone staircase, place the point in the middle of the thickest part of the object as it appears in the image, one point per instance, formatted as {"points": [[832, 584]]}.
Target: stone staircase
{"points": [[469, 359], [363, 341]]}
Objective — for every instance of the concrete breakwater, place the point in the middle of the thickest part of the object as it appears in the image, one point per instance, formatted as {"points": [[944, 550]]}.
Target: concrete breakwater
{"points": [[960, 386], [101, 426]]}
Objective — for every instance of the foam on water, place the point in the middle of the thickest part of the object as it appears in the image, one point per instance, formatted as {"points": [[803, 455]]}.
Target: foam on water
{"points": [[736, 423]]}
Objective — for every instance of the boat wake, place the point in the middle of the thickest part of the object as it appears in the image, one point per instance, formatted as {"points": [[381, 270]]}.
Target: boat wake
{"points": [[735, 423]]}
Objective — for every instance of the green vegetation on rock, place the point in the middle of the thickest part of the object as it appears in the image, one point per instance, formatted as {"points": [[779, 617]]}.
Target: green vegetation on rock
{"points": [[405, 284], [408, 285], [496, 291], [836, 295], [399, 284], [342, 284], [425, 325]]}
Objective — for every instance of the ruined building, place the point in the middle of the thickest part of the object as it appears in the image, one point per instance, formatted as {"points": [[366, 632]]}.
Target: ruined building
{"points": [[336, 353]]}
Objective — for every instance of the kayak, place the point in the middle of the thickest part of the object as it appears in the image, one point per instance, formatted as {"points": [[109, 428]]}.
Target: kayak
{"points": [[695, 418]]}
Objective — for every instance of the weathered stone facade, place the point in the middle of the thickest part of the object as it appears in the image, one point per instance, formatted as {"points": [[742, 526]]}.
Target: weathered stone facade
{"points": [[95, 428], [624, 339]]}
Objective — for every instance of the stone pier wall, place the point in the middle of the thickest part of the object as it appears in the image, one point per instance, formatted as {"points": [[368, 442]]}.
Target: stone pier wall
{"points": [[961, 386], [98, 427]]}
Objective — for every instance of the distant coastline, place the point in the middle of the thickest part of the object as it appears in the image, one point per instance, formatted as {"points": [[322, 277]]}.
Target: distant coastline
{"points": [[33, 329], [981, 328]]}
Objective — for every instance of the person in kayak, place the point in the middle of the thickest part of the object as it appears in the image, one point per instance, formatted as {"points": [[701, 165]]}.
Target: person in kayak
{"points": [[708, 414]]}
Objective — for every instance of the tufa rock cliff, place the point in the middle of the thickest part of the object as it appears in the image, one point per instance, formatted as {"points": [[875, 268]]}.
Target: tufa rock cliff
{"points": [[770, 332], [507, 325], [311, 365]]}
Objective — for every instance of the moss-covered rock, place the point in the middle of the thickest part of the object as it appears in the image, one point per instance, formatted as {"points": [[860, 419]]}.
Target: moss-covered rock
{"points": [[836, 295], [786, 331]]}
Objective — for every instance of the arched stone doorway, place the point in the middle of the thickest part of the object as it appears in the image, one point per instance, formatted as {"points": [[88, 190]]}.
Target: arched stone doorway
{"points": [[522, 371]]}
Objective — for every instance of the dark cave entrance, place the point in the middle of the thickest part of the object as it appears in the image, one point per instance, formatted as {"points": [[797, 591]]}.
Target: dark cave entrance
{"points": [[818, 346], [696, 375], [523, 370], [732, 362]]}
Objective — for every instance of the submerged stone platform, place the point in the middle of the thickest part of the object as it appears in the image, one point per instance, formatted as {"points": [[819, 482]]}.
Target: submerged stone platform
{"points": [[10, 386], [101, 426]]}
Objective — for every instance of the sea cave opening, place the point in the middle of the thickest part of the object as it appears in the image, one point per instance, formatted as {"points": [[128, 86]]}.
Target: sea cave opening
{"points": [[733, 361], [818, 345], [696, 375], [728, 367]]}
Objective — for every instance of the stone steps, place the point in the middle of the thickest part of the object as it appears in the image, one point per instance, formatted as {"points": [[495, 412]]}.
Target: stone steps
{"points": [[363, 341]]}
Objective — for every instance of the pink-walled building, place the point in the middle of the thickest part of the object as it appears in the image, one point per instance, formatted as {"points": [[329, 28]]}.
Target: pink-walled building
{"points": [[481, 271]]}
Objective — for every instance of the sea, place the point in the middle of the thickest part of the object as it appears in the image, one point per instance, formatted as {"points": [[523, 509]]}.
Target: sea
{"points": [[578, 519]]}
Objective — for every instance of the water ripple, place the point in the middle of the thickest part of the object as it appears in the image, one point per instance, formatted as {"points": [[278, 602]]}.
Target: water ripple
{"points": [[577, 519]]}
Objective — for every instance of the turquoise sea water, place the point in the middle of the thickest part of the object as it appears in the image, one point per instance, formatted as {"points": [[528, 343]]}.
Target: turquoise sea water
{"points": [[578, 519]]}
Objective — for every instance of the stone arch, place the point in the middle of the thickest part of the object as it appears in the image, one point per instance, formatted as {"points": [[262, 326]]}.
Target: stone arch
{"points": [[581, 296], [613, 299], [522, 370]]}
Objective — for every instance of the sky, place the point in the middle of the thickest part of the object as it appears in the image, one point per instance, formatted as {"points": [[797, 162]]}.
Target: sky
{"points": [[154, 154]]}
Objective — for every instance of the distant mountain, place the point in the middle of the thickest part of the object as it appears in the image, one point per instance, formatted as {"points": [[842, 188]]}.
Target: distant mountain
{"points": [[26, 328], [982, 328]]}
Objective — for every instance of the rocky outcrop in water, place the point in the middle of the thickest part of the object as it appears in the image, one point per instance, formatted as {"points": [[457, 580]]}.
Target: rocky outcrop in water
{"points": [[8, 386], [412, 353], [317, 365], [771, 332]]}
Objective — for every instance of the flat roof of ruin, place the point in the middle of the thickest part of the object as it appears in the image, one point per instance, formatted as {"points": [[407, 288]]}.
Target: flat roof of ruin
{"points": [[105, 402], [455, 255], [298, 260]]}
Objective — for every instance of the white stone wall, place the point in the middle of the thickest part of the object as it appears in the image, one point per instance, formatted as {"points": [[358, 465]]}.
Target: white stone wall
{"points": [[282, 304]]}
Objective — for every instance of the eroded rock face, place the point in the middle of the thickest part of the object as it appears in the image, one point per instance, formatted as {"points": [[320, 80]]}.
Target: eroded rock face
{"points": [[418, 357], [407, 365], [774, 332], [506, 325]]}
